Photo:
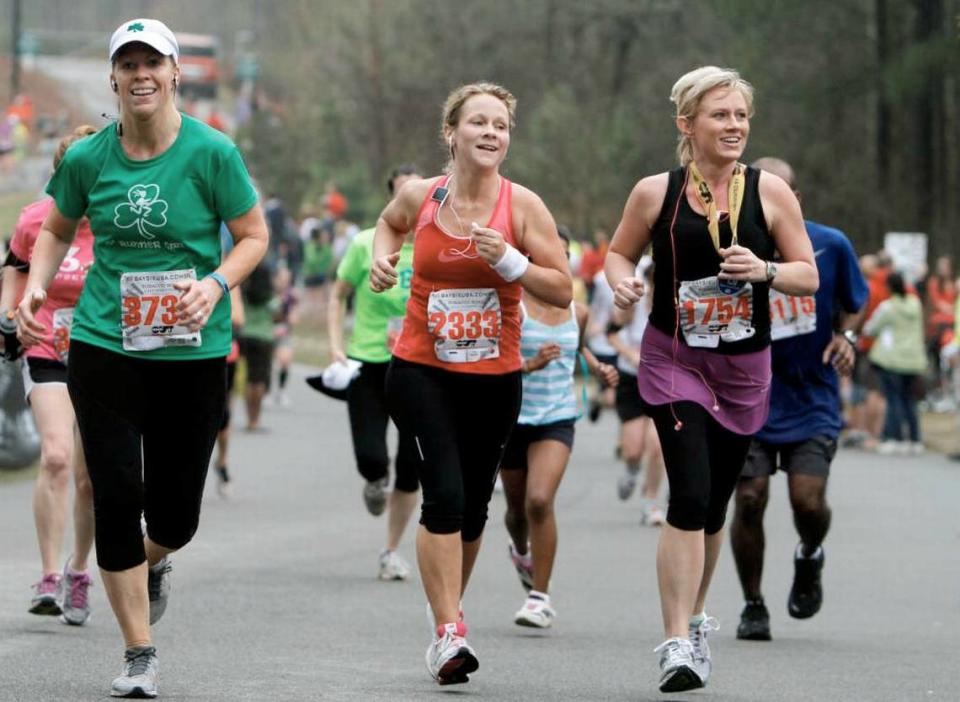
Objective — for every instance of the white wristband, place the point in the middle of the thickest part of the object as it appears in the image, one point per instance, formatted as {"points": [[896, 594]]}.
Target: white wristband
{"points": [[511, 265]]}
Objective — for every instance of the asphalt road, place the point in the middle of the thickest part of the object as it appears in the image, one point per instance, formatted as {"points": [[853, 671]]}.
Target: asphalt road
{"points": [[277, 599]]}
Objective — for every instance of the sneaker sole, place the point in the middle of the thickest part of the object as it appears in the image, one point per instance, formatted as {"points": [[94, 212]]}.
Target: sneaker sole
{"points": [[681, 680], [456, 670], [523, 621], [70, 622], [754, 636], [797, 613], [46, 608], [137, 693]]}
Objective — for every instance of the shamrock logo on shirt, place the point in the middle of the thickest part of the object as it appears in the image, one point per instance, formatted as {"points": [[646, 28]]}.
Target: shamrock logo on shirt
{"points": [[145, 210]]}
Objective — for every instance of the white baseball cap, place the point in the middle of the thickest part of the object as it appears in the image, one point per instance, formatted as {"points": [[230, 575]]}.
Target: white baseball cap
{"points": [[147, 31]]}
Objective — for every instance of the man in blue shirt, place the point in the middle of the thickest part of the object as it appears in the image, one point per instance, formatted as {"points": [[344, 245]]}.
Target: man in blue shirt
{"points": [[800, 436]]}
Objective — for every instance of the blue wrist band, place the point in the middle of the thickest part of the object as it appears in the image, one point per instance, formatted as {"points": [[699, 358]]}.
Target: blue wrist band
{"points": [[222, 282]]}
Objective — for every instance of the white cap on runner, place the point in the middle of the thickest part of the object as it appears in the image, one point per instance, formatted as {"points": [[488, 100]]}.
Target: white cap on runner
{"points": [[146, 31]]}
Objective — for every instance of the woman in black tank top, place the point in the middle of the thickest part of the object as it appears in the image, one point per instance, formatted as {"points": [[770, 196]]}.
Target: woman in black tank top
{"points": [[704, 372]]}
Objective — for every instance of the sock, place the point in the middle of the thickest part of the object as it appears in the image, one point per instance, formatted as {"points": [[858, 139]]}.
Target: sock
{"points": [[697, 619], [542, 596], [74, 573], [801, 551]]}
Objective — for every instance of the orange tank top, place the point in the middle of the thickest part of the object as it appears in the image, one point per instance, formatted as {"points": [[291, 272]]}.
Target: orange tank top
{"points": [[461, 315]]}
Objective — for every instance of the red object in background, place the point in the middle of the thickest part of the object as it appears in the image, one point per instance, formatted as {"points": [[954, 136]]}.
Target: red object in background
{"points": [[22, 109], [216, 121], [336, 203], [592, 263]]}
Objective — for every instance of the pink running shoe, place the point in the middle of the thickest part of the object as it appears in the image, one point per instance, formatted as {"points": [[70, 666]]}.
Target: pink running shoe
{"points": [[76, 601], [524, 566], [46, 599]]}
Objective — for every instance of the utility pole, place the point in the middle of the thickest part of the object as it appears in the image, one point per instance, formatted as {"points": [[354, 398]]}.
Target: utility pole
{"points": [[15, 48]]}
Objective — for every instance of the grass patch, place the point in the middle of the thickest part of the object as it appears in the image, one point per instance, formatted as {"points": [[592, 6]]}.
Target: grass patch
{"points": [[18, 475]]}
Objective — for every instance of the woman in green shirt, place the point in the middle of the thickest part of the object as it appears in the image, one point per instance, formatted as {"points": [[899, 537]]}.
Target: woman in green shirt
{"points": [[152, 327]]}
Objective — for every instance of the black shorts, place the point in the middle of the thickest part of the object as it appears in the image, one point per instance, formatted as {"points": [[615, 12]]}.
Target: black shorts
{"points": [[41, 370], [515, 454], [629, 404], [810, 457], [259, 355]]}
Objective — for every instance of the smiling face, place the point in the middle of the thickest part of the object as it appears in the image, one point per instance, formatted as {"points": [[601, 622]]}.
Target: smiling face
{"points": [[721, 126], [144, 79], [482, 134]]}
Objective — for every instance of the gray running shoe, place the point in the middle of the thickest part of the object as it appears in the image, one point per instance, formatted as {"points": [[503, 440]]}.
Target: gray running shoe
{"points": [[701, 650], [678, 669], [76, 601], [141, 672], [158, 588], [375, 496], [393, 567]]}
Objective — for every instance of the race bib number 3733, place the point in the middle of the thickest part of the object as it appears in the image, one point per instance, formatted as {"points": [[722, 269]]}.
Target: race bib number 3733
{"points": [[465, 324], [149, 315]]}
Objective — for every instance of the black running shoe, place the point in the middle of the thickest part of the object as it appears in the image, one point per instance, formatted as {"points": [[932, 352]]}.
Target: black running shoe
{"points": [[806, 595], [754, 622]]}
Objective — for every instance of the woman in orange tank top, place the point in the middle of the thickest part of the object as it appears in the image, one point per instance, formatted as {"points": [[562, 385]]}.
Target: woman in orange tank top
{"points": [[454, 382]]}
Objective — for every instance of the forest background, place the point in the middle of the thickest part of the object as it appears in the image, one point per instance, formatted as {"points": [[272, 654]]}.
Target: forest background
{"points": [[861, 96]]}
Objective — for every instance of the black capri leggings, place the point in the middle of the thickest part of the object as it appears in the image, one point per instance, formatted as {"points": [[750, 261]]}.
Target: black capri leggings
{"points": [[703, 461], [460, 423], [367, 404], [171, 410]]}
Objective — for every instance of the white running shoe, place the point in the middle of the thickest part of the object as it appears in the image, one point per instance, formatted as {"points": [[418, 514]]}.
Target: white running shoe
{"points": [[652, 515], [701, 650], [536, 611], [158, 587], [450, 659], [393, 567], [141, 672], [678, 669]]}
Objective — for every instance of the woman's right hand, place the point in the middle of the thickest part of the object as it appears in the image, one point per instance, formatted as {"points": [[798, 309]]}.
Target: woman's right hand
{"points": [[29, 330], [628, 292], [383, 274], [546, 353]]}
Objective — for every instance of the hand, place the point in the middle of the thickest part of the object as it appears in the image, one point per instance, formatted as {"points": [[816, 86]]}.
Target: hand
{"points": [[383, 273], [740, 263], [338, 356], [628, 292], [489, 242], [29, 330], [545, 354], [608, 374], [197, 301], [840, 353]]}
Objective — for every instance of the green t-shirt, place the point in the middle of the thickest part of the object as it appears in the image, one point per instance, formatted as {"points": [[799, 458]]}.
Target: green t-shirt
{"points": [[317, 259], [258, 320], [376, 314], [162, 214]]}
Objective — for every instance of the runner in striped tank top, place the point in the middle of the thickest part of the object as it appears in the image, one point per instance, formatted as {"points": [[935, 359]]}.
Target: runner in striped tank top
{"points": [[539, 448]]}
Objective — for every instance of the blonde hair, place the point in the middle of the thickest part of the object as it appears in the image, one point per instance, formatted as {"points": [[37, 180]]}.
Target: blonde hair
{"points": [[688, 92], [77, 134], [456, 99]]}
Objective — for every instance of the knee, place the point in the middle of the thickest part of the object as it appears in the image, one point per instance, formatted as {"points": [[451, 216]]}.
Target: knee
{"points": [[751, 505], [442, 511], [539, 508], [809, 504], [174, 536], [84, 486], [474, 522], [687, 512], [55, 461]]}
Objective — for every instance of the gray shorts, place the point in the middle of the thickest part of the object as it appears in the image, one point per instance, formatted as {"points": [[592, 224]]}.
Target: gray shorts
{"points": [[810, 457]]}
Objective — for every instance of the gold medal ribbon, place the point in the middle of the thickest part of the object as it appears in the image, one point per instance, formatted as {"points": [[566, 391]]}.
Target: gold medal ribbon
{"points": [[734, 202]]}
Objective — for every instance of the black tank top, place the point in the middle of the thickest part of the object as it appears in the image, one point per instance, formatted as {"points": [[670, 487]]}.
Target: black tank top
{"points": [[696, 257]]}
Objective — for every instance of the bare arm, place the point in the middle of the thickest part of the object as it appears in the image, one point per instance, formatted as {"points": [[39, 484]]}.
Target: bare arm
{"points": [[548, 275], [397, 218], [633, 235], [797, 274], [603, 371], [200, 297], [341, 291], [53, 243]]}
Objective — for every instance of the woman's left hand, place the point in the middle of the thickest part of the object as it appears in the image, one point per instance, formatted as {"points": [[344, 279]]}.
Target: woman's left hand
{"points": [[740, 263], [608, 374], [197, 302], [489, 242]]}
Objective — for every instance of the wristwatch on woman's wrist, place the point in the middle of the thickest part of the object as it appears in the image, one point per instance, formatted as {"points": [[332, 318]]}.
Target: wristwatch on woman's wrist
{"points": [[771, 271]]}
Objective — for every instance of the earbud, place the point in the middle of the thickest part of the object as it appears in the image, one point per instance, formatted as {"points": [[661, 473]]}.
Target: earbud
{"points": [[678, 426], [114, 87]]}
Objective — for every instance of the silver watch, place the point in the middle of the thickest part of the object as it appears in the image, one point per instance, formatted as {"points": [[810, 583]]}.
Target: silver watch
{"points": [[771, 271]]}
